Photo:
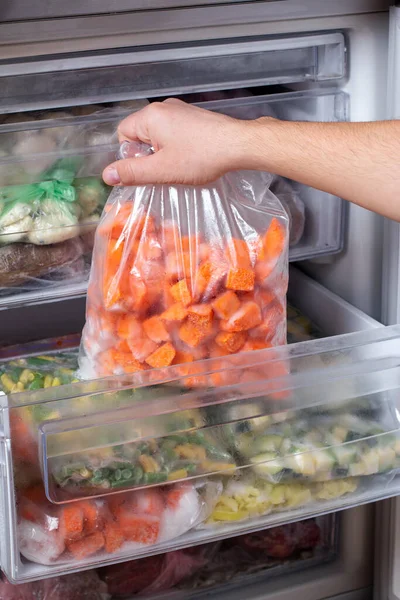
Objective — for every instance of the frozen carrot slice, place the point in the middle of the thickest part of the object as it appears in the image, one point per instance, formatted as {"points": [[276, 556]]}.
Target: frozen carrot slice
{"points": [[71, 521], [87, 546], [192, 334], [183, 357], [201, 315], [180, 292], [143, 529], [240, 279], [178, 265], [128, 327], [155, 329], [113, 537], [226, 304], [175, 313], [237, 253], [162, 357], [231, 342], [247, 317], [142, 347]]}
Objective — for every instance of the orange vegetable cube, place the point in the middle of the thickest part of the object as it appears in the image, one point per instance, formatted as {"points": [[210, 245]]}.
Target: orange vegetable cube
{"points": [[155, 330], [255, 344], [247, 317], [113, 537], [128, 327], [230, 342], [126, 361], [143, 529], [226, 304], [183, 357], [180, 292], [192, 334], [178, 265], [209, 279], [87, 546], [162, 357], [240, 279], [201, 315], [273, 242], [263, 270], [93, 518], [175, 313], [237, 253], [71, 522], [141, 347]]}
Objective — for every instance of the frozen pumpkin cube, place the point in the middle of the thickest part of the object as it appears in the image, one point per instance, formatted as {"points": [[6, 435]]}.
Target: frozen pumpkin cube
{"points": [[180, 292], [230, 342], [226, 304], [162, 357], [247, 317], [240, 279], [155, 329]]}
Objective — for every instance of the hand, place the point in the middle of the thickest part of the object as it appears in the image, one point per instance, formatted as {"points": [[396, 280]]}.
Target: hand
{"points": [[192, 146]]}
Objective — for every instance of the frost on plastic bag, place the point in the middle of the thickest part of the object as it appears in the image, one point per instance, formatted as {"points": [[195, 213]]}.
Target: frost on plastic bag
{"points": [[120, 523], [186, 273]]}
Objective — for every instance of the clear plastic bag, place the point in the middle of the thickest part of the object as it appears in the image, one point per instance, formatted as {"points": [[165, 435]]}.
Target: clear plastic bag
{"points": [[185, 273], [50, 533]]}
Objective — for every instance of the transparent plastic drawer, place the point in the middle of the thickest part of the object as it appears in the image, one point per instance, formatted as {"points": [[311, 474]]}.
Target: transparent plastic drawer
{"points": [[103, 471], [171, 69], [51, 199], [319, 230]]}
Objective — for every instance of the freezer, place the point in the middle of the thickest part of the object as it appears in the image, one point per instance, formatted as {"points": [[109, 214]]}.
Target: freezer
{"points": [[336, 398]]}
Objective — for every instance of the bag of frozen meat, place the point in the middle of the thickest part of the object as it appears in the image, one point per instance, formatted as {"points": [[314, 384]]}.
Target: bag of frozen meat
{"points": [[183, 273]]}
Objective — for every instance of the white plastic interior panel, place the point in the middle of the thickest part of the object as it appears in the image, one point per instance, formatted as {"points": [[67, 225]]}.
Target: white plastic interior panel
{"points": [[47, 82], [324, 213]]}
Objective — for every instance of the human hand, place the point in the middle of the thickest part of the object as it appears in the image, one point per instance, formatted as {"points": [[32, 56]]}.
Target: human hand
{"points": [[192, 145]]}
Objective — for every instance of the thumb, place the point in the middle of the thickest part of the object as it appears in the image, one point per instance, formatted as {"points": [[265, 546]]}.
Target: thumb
{"points": [[137, 171]]}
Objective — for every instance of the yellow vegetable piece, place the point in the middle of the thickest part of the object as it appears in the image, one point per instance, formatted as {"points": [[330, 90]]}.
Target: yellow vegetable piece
{"points": [[26, 376], [7, 382], [222, 515], [178, 474], [48, 380], [56, 382]]}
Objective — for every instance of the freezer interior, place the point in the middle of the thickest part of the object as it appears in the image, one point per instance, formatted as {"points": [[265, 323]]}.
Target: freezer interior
{"points": [[223, 566], [51, 194], [107, 470]]}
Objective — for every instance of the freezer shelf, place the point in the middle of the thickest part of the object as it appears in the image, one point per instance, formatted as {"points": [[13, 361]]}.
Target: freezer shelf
{"points": [[51, 195], [338, 408]]}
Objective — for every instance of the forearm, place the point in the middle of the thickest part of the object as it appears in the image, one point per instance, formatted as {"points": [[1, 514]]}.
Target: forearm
{"points": [[359, 162]]}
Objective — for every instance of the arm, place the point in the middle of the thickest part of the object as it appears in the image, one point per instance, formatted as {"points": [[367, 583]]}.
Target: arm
{"points": [[359, 162]]}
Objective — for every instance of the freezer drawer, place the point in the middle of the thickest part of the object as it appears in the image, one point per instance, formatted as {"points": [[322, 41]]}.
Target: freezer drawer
{"points": [[272, 449], [51, 195], [170, 69]]}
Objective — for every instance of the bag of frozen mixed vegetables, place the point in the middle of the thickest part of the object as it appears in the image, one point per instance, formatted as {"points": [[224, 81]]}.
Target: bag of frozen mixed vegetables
{"points": [[185, 273]]}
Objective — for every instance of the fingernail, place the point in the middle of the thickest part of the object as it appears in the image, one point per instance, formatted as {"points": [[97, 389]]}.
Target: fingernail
{"points": [[111, 176]]}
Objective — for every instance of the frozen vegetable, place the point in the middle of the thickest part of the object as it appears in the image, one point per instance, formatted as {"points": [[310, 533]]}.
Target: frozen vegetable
{"points": [[319, 448], [293, 205], [48, 533], [185, 274], [125, 466], [248, 497]]}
